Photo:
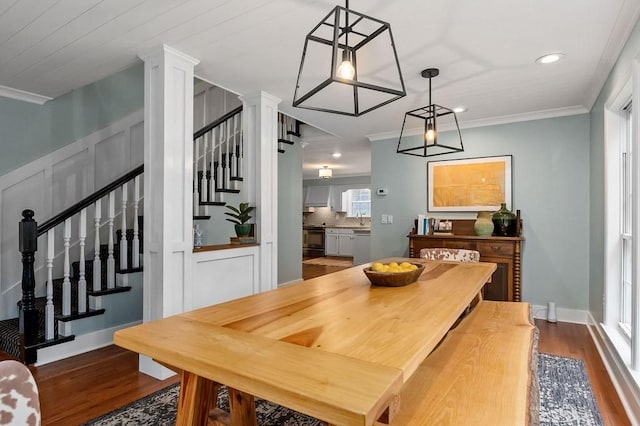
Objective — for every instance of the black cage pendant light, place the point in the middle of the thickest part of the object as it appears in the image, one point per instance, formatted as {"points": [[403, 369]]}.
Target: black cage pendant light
{"points": [[429, 120], [349, 65]]}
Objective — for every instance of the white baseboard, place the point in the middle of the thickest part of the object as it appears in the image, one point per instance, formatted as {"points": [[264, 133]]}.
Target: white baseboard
{"points": [[81, 344], [290, 282], [576, 316], [622, 379]]}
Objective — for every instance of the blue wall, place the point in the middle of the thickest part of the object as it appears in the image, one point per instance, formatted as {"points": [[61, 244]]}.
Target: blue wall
{"points": [[550, 187], [30, 131]]}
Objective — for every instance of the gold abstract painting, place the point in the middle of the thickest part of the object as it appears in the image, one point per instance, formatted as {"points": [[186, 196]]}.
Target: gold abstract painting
{"points": [[469, 185]]}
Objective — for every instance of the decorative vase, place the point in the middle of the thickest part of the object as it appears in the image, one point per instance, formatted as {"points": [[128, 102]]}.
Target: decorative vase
{"points": [[483, 225], [243, 230], [504, 222]]}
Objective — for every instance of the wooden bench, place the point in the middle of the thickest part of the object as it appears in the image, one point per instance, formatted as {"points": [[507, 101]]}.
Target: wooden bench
{"points": [[481, 374]]}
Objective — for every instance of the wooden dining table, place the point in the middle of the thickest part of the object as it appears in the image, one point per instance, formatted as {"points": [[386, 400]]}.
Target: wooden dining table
{"points": [[333, 347]]}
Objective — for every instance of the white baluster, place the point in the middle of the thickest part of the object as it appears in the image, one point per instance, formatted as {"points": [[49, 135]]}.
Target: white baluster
{"points": [[66, 282], [124, 264], [241, 174], [82, 281], [135, 244], [196, 193], [111, 261], [48, 312], [205, 167], [97, 265]]}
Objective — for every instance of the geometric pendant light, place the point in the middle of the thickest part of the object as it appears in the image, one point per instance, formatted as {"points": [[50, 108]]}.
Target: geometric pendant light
{"points": [[430, 120], [349, 65]]}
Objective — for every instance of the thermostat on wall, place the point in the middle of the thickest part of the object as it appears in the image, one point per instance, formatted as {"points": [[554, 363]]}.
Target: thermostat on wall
{"points": [[382, 191]]}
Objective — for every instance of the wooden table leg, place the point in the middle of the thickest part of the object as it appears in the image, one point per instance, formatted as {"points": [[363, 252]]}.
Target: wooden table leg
{"points": [[194, 402], [242, 408]]}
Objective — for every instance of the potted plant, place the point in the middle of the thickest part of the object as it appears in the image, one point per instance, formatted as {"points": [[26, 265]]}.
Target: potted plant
{"points": [[240, 216]]}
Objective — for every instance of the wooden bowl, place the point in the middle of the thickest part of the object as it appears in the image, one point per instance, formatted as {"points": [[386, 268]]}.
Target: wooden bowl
{"points": [[394, 279]]}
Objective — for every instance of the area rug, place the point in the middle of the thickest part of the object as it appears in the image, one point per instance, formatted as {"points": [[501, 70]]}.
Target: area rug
{"points": [[565, 399], [565, 392], [329, 261]]}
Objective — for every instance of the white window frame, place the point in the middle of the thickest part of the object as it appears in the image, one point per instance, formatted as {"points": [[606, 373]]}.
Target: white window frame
{"points": [[347, 201], [626, 342]]}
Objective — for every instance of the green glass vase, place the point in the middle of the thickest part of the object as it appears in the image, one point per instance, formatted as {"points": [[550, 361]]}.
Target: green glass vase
{"points": [[504, 222]]}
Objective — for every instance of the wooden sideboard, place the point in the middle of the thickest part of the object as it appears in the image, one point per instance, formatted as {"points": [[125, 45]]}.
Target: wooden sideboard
{"points": [[506, 252]]}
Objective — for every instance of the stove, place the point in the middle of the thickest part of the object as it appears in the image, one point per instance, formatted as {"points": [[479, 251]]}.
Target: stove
{"points": [[312, 241]]}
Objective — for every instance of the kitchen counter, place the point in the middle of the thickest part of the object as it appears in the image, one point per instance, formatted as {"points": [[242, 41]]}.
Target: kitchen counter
{"points": [[354, 227]]}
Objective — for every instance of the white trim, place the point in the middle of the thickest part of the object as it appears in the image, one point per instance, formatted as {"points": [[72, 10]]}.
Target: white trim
{"points": [[299, 280], [627, 17], [21, 95], [81, 344], [576, 316], [622, 379], [165, 49], [493, 121]]}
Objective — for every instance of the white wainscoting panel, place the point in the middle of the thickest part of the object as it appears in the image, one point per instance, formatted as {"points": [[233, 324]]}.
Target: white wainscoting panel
{"points": [[52, 183], [222, 275]]}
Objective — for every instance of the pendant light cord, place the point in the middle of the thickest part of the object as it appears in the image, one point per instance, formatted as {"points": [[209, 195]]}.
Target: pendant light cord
{"points": [[346, 35]]}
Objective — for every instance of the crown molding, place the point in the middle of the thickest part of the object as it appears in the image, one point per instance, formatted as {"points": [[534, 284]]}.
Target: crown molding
{"points": [[21, 95], [492, 121]]}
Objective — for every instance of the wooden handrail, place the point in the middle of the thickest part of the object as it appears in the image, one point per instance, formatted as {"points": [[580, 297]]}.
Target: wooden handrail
{"points": [[67, 213], [216, 123]]}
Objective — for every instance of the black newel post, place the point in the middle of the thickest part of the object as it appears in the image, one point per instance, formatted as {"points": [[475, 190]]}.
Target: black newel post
{"points": [[28, 245]]}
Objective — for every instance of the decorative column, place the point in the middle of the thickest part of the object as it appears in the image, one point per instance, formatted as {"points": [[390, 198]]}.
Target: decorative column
{"points": [[168, 180], [260, 127]]}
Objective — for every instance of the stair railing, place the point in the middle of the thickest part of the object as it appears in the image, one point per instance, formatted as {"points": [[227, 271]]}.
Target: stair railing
{"points": [[218, 153], [29, 231]]}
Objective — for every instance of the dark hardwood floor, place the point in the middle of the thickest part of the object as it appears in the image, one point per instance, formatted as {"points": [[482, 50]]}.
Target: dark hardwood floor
{"points": [[86, 386]]}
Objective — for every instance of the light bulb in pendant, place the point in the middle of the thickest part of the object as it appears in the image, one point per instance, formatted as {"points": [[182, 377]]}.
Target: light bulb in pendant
{"points": [[430, 135], [346, 69]]}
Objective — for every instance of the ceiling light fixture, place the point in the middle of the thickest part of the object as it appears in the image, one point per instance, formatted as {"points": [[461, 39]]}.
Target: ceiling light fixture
{"points": [[459, 109], [429, 118], [331, 78], [550, 58], [336, 155], [325, 172]]}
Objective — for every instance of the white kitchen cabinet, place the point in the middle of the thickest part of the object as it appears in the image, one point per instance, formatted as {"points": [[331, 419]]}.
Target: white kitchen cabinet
{"points": [[338, 242], [317, 196], [336, 199], [361, 247]]}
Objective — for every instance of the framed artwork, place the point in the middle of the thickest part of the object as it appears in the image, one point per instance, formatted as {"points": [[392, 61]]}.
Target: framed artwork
{"points": [[471, 184]]}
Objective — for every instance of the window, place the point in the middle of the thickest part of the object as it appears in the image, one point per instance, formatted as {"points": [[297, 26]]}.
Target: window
{"points": [[358, 202], [626, 236]]}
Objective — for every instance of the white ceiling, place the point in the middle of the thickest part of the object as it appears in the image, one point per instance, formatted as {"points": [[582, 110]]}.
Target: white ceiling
{"points": [[484, 49]]}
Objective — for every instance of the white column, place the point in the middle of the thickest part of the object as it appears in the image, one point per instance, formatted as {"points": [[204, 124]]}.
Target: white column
{"points": [[260, 128], [168, 206]]}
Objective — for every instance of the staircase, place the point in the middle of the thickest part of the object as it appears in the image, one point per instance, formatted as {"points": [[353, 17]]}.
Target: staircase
{"points": [[108, 221], [47, 320]]}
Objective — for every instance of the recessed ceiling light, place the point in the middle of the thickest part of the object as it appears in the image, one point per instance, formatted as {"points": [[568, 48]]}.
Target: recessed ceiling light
{"points": [[459, 109], [550, 58], [336, 155]]}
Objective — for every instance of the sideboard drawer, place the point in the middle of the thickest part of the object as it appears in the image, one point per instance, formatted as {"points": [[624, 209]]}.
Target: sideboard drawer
{"points": [[495, 249], [454, 244]]}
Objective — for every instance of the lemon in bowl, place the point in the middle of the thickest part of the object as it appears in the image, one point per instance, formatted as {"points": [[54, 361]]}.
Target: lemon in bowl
{"points": [[393, 274]]}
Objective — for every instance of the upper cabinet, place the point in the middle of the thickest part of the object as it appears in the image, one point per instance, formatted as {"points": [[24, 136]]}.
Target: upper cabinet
{"points": [[337, 198], [317, 196]]}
